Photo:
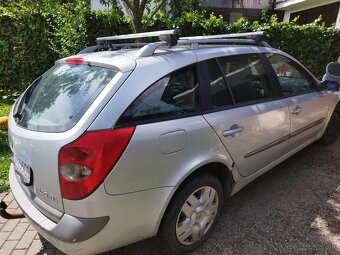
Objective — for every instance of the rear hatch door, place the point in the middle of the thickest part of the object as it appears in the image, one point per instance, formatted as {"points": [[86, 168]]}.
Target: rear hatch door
{"points": [[58, 109]]}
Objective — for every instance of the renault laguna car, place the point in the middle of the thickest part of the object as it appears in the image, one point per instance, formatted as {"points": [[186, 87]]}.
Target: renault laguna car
{"points": [[114, 146]]}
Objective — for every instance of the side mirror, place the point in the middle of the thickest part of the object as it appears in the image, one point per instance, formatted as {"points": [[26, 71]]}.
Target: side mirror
{"points": [[329, 85]]}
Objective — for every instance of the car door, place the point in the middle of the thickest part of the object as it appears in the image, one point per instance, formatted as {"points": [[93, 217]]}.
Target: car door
{"points": [[308, 107], [246, 115]]}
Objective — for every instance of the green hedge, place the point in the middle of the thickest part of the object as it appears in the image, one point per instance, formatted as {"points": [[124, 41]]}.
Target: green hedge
{"points": [[33, 37], [24, 46], [311, 44], [99, 23]]}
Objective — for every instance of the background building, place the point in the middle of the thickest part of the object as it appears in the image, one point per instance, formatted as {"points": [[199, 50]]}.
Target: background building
{"points": [[232, 10], [309, 10]]}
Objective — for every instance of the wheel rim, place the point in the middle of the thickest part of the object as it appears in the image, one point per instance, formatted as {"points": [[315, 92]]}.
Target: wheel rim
{"points": [[197, 215]]}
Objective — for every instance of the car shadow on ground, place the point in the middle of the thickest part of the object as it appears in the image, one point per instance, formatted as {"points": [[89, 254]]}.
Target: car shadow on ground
{"points": [[292, 209]]}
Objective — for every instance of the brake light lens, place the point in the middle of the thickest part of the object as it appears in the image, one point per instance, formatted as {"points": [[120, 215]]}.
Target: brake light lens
{"points": [[84, 163], [75, 61]]}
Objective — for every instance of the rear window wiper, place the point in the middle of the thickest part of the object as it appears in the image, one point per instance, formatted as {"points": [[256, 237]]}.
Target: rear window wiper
{"points": [[17, 112]]}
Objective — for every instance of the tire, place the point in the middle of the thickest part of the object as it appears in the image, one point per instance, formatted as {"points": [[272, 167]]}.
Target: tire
{"points": [[192, 214], [333, 128]]}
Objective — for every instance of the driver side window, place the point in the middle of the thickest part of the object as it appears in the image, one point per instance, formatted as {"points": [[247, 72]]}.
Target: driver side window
{"points": [[293, 80]]}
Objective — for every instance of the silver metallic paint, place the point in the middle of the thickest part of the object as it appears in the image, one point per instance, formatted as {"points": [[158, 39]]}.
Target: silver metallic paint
{"points": [[131, 185]]}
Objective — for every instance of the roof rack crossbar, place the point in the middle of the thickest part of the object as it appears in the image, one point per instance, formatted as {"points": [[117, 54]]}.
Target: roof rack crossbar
{"points": [[199, 41], [162, 33], [225, 36], [149, 49]]}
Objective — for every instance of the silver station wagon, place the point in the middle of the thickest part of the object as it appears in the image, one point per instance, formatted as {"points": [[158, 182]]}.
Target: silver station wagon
{"points": [[126, 141]]}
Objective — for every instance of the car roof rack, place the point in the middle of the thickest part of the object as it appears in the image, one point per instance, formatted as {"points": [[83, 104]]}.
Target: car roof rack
{"points": [[166, 37], [247, 38], [171, 38]]}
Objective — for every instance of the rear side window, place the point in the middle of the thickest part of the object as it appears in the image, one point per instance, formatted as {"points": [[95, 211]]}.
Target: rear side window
{"points": [[246, 77], [62, 96], [174, 95]]}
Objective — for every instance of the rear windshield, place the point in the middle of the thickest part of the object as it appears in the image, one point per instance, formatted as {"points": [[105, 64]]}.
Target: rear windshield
{"points": [[62, 95]]}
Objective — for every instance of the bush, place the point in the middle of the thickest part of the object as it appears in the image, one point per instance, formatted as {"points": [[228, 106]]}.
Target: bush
{"points": [[66, 26], [33, 36], [99, 23], [313, 45], [24, 51]]}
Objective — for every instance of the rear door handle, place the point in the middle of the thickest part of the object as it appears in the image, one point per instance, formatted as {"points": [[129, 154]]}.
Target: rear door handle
{"points": [[233, 130], [296, 110]]}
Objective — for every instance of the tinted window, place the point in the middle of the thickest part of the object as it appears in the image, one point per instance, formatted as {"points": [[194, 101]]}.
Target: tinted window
{"points": [[173, 95], [218, 88], [292, 78], [246, 77], [62, 96]]}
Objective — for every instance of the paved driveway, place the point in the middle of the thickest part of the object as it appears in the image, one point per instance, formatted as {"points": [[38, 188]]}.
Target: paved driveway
{"points": [[293, 209]]}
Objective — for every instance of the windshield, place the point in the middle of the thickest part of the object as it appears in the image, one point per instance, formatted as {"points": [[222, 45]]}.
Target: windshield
{"points": [[62, 95]]}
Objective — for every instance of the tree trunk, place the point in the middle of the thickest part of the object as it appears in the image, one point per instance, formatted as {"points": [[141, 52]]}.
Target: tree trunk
{"points": [[137, 23]]}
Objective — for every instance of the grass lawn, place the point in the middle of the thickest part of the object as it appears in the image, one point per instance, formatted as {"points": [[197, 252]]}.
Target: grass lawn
{"points": [[5, 152]]}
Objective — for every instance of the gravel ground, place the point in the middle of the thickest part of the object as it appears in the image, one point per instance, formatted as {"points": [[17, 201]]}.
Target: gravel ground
{"points": [[292, 209]]}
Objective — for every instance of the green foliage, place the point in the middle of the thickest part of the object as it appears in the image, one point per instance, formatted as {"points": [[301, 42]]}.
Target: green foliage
{"points": [[179, 7], [5, 154], [99, 23], [66, 25], [313, 45], [33, 34], [24, 49], [5, 151]]}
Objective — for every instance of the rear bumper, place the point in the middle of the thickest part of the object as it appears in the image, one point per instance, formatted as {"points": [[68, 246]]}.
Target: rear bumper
{"points": [[130, 222], [69, 229]]}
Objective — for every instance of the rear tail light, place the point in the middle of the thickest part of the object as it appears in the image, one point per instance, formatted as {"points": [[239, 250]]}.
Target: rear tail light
{"points": [[84, 163]]}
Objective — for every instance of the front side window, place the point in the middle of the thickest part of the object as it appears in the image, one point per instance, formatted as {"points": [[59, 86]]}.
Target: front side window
{"points": [[293, 80], [62, 95], [246, 77], [173, 95]]}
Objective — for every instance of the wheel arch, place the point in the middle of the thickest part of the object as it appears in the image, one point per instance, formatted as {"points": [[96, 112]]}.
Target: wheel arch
{"points": [[218, 169], [337, 107]]}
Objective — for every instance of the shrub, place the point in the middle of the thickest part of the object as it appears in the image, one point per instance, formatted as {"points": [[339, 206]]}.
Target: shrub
{"points": [[101, 23], [33, 36], [24, 50], [313, 45]]}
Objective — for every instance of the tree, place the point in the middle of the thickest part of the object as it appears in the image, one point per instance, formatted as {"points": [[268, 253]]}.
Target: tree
{"points": [[179, 7], [137, 8]]}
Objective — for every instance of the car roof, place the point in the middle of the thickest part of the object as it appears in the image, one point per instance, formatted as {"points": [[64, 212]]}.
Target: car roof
{"points": [[126, 59]]}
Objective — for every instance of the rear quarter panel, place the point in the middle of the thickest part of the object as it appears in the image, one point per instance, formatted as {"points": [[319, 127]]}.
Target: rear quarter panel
{"points": [[157, 156]]}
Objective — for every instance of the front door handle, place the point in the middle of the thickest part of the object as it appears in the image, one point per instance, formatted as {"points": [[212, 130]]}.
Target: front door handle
{"points": [[296, 110], [233, 130]]}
